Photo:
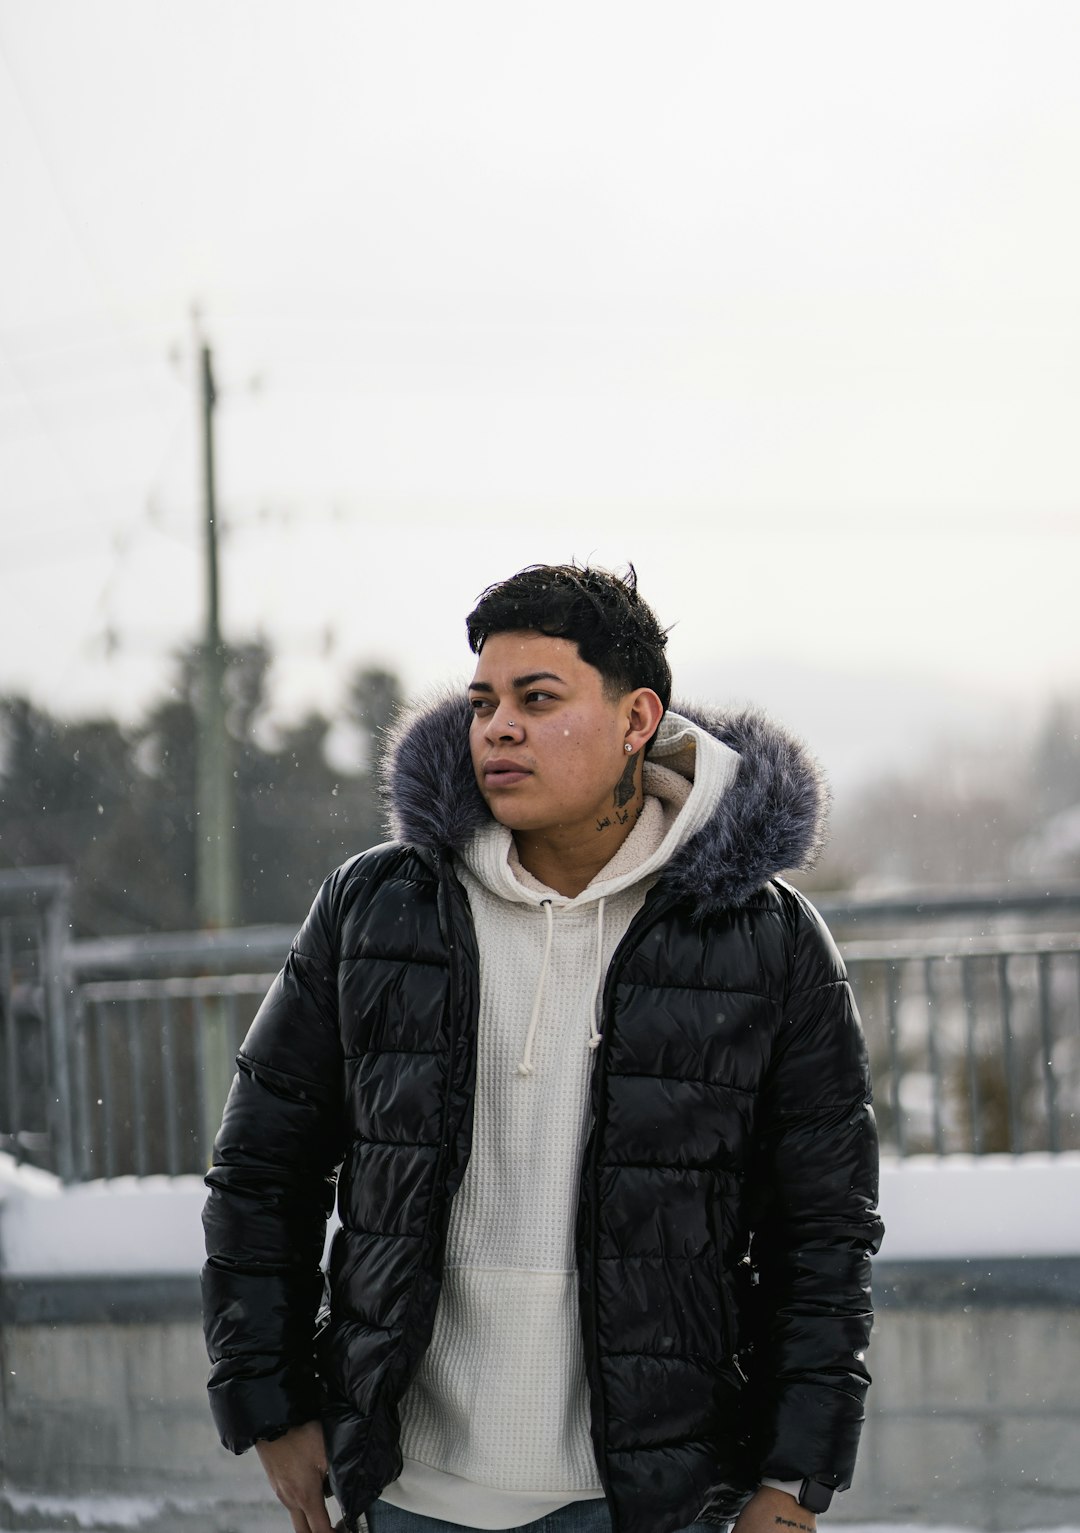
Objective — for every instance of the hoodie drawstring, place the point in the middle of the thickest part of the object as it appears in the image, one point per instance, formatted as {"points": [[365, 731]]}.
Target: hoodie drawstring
{"points": [[525, 1067], [594, 1031]]}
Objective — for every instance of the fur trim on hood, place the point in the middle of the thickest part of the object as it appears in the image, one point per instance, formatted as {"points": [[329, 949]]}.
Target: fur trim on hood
{"points": [[773, 816]]}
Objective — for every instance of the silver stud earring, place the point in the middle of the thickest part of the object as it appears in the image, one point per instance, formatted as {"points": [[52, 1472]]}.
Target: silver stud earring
{"points": [[628, 747]]}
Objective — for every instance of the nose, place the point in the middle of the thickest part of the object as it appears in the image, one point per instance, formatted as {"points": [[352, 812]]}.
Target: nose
{"points": [[502, 725]]}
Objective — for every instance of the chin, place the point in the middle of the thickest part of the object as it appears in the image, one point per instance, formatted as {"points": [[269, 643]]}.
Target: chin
{"points": [[513, 821], [514, 816]]}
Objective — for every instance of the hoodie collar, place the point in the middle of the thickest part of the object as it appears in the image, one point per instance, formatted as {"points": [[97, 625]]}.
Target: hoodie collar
{"points": [[771, 816]]}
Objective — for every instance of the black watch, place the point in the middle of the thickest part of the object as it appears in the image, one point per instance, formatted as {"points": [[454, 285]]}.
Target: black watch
{"points": [[815, 1496]]}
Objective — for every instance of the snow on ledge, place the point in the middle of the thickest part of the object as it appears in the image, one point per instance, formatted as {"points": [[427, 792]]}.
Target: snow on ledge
{"points": [[980, 1205], [957, 1206], [128, 1225]]}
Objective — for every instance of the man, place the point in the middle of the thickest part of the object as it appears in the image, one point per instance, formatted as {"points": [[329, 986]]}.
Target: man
{"points": [[597, 1090]]}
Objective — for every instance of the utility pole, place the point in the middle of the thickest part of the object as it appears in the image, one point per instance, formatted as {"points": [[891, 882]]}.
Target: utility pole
{"points": [[215, 867], [215, 797]]}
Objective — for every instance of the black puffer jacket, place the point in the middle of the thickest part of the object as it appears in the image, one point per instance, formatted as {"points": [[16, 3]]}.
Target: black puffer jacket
{"points": [[730, 1116]]}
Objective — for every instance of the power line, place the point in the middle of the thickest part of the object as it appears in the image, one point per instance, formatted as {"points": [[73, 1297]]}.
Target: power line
{"points": [[122, 543]]}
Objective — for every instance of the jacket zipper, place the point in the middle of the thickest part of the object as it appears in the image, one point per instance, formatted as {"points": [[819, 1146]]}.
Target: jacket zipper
{"points": [[645, 918], [727, 1309], [445, 904]]}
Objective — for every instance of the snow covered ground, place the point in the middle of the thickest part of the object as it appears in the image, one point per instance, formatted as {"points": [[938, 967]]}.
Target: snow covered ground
{"points": [[957, 1206]]}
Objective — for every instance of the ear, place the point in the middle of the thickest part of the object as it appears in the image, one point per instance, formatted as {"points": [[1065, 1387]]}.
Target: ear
{"points": [[644, 712]]}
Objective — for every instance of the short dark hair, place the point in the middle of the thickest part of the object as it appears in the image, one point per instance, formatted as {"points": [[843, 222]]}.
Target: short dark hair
{"points": [[614, 630]]}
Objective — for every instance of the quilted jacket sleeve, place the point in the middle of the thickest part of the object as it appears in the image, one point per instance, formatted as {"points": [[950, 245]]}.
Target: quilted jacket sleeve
{"points": [[817, 1223], [271, 1189]]}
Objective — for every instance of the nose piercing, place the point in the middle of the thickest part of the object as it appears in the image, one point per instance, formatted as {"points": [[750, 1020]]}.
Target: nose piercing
{"points": [[509, 723]]}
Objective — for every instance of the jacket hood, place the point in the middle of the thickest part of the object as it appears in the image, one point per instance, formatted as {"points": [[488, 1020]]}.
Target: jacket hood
{"points": [[772, 817]]}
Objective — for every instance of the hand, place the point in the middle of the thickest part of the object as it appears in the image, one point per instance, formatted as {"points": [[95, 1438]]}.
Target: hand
{"points": [[296, 1468], [773, 1511]]}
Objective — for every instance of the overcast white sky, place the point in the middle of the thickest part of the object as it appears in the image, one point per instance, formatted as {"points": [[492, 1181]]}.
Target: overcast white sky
{"points": [[778, 300]]}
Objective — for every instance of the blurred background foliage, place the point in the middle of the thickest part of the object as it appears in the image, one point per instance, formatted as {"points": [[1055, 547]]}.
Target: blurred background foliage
{"points": [[116, 803], [968, 815]]}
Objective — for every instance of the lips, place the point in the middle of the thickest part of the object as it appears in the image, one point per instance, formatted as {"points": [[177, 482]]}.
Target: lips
{"points": [[501, 773]]}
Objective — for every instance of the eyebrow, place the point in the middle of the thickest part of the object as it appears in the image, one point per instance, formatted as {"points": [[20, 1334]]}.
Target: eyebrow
{"points": [[518, 681]]}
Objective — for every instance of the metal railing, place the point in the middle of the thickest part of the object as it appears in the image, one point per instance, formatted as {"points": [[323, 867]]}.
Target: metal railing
{"points": [[974, 1042], [121, 1063], [152, 1059], [155, 1023], [35, 905], [973, 1050]]}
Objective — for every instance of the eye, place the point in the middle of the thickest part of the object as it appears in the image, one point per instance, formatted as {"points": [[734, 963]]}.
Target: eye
{"points": [[479, 704], [536, 696]]}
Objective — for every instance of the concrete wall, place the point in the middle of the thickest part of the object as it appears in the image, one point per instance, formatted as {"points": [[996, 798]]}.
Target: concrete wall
{"points": [[974, 1418], [104, 1417]]}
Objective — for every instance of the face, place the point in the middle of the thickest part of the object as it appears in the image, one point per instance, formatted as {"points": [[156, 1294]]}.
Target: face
{"points": [[547, 741]]}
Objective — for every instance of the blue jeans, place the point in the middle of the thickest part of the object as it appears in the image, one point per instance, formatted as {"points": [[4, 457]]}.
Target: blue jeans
{"points": [[574, 1517]]}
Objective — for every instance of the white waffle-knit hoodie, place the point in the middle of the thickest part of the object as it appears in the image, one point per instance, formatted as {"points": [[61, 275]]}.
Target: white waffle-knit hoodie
{"points": [[495, 1426]]}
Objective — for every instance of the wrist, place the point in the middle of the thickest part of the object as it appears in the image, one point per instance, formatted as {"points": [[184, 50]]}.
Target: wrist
{"points": [[778, 1512], [810, 1494]]}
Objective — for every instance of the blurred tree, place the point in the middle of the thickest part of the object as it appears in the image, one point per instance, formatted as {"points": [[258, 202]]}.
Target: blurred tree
{"points": [[248, 669], [1055, 758], [68, 792], [372, 699], [920, 831], [117, 806], [970, 815]]}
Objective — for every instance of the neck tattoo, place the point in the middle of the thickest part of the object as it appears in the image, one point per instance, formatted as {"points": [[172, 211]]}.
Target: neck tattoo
{"points": [[626, 787]]}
